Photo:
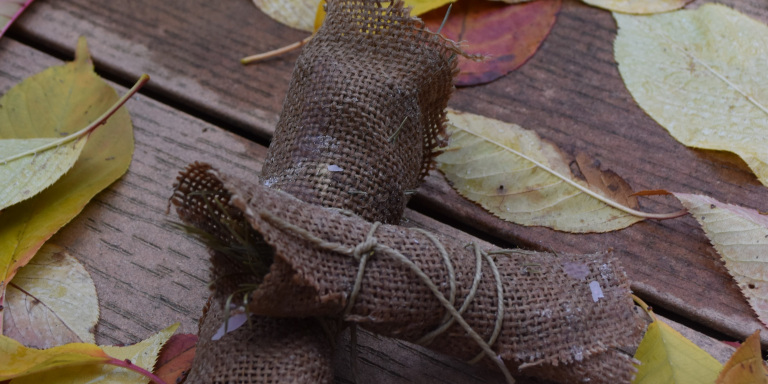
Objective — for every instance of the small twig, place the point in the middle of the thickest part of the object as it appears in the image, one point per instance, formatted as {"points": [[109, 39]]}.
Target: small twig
{"points": [[276, 52]]}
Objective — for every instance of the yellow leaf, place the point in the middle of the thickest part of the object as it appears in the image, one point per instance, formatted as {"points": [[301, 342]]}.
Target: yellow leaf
{"points": [[746, 366], [299, 14], [79, 363], [667, 357], [639, 6], [418, 7], [27, 166], [17, 360], [701, 74], [518, 177], [51, 301], [55, 103], [740, 236]]}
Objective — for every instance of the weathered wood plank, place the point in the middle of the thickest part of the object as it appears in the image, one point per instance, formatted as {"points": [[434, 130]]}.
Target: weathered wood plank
{"points": [[581, 104], [570, 92], [191, 49], [149, 275]]}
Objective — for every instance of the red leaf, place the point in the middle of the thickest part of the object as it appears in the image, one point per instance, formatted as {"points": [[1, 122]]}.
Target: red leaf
{"points": [[508, 34], [176, 357]]}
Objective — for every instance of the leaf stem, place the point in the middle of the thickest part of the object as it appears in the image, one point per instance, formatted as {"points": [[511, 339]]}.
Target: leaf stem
{"points": [[133, 367], [644, 306], [90, 128], [276, 52], [605, 200]]}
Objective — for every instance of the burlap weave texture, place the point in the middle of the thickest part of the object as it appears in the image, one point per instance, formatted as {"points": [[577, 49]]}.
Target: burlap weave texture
{"points": [[357, 132], [552, 317], [364, 110], [269, 350]]}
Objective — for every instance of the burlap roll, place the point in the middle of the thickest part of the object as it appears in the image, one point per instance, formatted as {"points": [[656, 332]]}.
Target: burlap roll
{"points": [[364, 110], [565, 317], [362, 115]]}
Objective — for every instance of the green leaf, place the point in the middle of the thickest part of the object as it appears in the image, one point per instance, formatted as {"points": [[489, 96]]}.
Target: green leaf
{"points": [[667, 357], [31, 165], [56, 103], [701, 74]]}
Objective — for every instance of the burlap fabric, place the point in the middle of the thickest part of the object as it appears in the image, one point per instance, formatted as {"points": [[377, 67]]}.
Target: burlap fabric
{"points": [[357, 132], [548, 326], [364, 110], [270, 350]]}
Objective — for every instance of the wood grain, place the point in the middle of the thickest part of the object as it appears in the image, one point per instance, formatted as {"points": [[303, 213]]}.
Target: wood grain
{"points": [[149, 275], [570, 92]]}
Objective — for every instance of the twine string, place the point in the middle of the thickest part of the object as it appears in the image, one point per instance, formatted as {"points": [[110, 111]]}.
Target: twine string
{"points": [[448, 320], [373, 247], [428, 338]]}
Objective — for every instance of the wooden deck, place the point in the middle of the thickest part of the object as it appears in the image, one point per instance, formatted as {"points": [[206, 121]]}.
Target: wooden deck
{"points": [[201, 104]]}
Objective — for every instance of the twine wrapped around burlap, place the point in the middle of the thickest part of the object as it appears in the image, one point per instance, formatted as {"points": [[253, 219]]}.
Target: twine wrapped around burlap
{"points": [[362, 115], [541, 315], [364, 110]]}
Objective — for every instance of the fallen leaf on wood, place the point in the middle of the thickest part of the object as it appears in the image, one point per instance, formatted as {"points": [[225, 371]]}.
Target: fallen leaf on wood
{"points": [[299, 14], [27, 225], [176, 357], [28, 166], [746, 366], [701, 74], [9, 11], [81, 363], [666, 356], [641, 7], [508, 35], [51, 301], [518, 177], [740, 236]]}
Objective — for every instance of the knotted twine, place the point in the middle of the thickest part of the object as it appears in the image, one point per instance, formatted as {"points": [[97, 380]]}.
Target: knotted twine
{"points": [[383, 278], [298, 163], [362, 115]]}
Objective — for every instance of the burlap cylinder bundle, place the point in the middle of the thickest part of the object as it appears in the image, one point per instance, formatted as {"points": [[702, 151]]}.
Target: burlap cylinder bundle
{"points": [[362, 115], [364, 110], [565, 317]]}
